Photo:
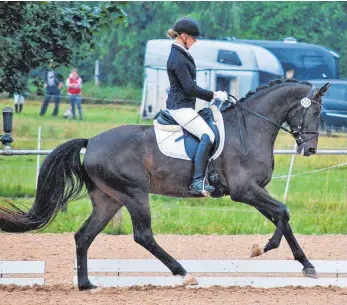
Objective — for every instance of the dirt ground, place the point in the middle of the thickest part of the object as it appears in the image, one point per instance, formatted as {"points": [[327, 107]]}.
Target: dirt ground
{"points": [[58, 250]]}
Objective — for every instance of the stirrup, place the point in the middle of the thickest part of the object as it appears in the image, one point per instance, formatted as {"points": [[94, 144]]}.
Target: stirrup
{"points": [[199, 187]]}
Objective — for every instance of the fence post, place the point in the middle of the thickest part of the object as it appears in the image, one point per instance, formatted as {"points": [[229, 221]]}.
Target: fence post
{"points": [[38, 155], [289, 173], [97, 72]]}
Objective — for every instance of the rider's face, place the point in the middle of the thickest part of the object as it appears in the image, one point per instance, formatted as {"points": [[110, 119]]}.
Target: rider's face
{"points": [[188, 40]]}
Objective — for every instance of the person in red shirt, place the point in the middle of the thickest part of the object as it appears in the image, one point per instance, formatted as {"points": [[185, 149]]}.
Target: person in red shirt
{"points": [[74, 86]]}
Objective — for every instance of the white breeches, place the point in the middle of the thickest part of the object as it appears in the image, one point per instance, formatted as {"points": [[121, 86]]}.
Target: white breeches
{"points": [[190, 120]]}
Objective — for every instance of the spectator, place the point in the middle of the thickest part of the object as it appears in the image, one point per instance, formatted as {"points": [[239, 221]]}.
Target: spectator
{"points": [[18, 102], [52, 84], [290, 74], [74, 85]]}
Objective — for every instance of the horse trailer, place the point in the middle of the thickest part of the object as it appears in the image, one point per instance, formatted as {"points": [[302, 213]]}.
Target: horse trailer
{"points": [[308, 61], [221, 65]]}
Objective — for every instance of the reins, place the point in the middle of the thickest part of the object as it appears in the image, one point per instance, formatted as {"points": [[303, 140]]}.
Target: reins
{"points": [[296, 134]]}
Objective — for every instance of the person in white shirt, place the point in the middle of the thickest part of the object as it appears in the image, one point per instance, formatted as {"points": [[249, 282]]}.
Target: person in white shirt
{"points": [[18, 102]]}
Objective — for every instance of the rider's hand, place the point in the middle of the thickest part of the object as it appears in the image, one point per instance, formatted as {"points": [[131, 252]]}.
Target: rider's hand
{"points": [[220, 95]]}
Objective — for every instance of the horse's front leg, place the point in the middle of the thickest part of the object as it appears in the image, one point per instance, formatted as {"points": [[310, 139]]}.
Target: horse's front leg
{"points": [[278, 213], [298, 253], [257, 197]]}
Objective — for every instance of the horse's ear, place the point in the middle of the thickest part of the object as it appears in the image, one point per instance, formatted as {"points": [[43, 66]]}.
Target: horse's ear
{"points": [[324, 89]]}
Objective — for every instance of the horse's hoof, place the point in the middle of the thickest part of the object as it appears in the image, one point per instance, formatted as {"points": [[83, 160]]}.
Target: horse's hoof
{"points": [[87, 286], [189, 280], [310, 272], [257, 250]]}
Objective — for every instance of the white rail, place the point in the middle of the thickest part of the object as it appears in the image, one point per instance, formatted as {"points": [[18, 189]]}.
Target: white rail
{"points": [[257, 269], [24, 152], [21, 267]]}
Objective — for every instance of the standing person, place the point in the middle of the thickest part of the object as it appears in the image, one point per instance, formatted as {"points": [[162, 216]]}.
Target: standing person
{"points": [[52, 84], [290, 74], [74, 85], [182, 96], [18, 102], [19, 95]]}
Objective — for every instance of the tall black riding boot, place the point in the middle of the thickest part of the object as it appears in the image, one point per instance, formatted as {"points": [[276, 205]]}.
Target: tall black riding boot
{"points": [[16, 107], [20, 107], [200, 161]]}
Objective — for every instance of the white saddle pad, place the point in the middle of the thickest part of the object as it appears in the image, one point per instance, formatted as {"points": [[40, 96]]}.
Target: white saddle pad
{"points": [[167, 134]]}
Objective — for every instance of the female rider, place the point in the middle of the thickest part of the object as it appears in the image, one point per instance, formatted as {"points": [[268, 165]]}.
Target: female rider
{"points": [[182, 96]]}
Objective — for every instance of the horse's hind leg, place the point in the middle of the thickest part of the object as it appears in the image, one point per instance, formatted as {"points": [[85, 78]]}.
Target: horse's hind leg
{"points": [[298, 253], [138, 207], [104, 208]]}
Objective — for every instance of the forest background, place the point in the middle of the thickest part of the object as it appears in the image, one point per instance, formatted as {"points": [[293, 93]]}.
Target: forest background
{"points": [[116, 33]]}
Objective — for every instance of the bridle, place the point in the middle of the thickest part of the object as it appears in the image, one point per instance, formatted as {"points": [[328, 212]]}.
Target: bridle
{"points": [[296, 133]]}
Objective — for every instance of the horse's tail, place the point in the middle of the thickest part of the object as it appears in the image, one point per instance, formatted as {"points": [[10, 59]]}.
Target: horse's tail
{"points": [[60, 180]]}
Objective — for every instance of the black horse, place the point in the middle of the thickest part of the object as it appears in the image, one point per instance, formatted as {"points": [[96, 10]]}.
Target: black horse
{"points": [[123, 165]]}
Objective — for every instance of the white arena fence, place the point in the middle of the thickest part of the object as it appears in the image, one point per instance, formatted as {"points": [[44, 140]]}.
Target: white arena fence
{"points": [[8, 269], [225, 273], [28, 152]]}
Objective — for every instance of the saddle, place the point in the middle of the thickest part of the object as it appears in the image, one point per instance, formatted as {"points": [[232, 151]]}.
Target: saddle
{"points": [[190, 141], [176, 142]]}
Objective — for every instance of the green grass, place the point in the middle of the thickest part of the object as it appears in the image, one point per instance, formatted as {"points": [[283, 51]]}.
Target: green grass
{"points": [[102, 92], [114, 92], [317, 201]]}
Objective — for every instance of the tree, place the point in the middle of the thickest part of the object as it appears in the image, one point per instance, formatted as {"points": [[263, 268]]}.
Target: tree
{"points": [[323, 23], [34, 33], [124, 47], [123, 50]]}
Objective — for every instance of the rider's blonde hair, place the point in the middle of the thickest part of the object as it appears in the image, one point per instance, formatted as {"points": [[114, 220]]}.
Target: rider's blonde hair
{"points": [[172, 34]]}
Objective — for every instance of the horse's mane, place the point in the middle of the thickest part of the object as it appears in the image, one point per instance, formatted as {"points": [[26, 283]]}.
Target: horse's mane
{"points": [[271, 84]]}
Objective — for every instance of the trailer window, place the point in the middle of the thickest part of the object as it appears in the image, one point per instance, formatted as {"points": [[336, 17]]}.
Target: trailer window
{"points": [[229, 57], [313, 61]]}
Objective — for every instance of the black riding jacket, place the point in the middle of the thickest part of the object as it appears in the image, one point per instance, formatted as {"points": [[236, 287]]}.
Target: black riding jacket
{"points": [[181, 70]]}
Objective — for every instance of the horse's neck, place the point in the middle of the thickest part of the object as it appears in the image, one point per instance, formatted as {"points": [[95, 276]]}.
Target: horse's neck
{"points": [[272, 103]]}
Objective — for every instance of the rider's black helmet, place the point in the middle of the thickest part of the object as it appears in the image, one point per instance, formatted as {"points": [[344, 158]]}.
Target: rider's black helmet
{"points": [[188, 26]]}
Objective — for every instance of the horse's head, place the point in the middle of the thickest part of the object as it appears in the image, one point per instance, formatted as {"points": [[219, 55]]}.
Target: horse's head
{"points": [[304, 120]]}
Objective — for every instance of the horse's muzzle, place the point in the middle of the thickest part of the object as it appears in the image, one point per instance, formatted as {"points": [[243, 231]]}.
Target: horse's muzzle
{"points": [[307, 148]]}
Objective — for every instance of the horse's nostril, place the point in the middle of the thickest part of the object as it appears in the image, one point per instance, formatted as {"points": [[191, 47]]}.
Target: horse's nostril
{"points": [[312, 150]]}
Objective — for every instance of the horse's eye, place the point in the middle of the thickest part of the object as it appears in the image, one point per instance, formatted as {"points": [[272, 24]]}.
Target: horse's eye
{"points": [[316, 113]]}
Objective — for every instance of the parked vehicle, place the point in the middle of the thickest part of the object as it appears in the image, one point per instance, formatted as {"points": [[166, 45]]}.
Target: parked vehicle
{"points": [[334, 112], [221, 65], [308, 61]]}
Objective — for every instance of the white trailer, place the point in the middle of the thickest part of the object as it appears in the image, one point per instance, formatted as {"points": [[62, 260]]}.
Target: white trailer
{"points": [[221, 65]]}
